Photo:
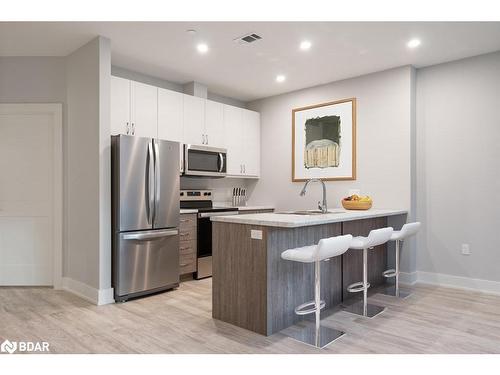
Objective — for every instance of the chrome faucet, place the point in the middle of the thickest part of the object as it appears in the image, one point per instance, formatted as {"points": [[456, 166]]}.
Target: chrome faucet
{"points": [[321, 206]]}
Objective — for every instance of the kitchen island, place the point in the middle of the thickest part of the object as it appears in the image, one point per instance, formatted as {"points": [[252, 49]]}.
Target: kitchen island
{"points": [[254, 288]]}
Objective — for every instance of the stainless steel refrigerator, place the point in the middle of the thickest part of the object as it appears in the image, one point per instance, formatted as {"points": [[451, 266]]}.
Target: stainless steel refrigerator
{"points": [[145, 215]]}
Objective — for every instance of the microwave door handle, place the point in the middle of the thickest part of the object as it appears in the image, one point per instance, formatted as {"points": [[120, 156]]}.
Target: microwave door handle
{"points": [[221, 160]]}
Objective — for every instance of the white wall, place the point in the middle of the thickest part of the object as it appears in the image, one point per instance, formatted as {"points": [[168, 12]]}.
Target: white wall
{"points": [[458, 174], [383, 142], [88, 260]]}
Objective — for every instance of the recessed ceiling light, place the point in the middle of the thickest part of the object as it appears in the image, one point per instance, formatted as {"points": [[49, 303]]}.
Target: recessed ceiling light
{"points": [[280, 78], [202, 48], [413, 43], [305, 45], [191, 31]]}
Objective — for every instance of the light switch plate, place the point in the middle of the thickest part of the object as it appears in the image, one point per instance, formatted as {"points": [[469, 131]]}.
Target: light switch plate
{"points": [[255, 234]]}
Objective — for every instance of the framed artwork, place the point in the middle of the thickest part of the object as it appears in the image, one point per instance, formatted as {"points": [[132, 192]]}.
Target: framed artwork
{"points": [[324, 141]]}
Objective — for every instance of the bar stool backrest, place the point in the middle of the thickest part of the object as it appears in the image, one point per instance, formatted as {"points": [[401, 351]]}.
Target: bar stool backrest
{"points": [[379, 236], [332, 247], [409, 229]]}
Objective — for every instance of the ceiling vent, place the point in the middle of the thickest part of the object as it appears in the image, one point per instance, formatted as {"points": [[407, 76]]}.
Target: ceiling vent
{"points": [[247, 39]]}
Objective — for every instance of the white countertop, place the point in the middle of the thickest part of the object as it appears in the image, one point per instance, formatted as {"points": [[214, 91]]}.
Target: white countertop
{"points": [[252, 208], [288, 220], [240, 209]]}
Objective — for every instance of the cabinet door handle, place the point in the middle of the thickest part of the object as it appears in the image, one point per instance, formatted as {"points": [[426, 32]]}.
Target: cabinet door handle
{"points": [[184, 264], [128, 130], [206, 136], [244, 168], [133, 129]]}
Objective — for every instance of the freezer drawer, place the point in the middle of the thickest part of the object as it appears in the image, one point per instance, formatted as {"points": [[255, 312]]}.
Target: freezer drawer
{"points": [[146, 261]]}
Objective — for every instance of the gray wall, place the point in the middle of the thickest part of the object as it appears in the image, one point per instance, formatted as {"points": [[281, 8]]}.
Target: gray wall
{"points": [[458, 153], [88, 257], [135, 76], [383, 142]]}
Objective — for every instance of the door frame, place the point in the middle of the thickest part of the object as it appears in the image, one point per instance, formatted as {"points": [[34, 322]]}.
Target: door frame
{"points": [[55, 110]]}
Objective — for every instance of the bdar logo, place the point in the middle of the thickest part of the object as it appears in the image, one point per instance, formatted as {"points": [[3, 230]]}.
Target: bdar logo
{"points": [[8, 347]]}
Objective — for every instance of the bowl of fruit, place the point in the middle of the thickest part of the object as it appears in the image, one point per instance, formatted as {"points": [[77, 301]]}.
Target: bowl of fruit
{"points": [[357, 202]]}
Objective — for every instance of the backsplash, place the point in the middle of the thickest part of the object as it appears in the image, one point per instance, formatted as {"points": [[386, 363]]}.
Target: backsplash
{"points": [[222, 188]]}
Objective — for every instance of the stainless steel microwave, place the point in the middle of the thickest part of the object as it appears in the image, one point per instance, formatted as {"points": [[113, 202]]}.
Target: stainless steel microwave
{"points": [[205, 161]]}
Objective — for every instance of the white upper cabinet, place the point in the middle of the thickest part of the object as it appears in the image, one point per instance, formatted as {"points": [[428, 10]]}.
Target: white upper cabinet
{"points": [[148, 111], [233, 128], [133, 108], [242, 135], [194, 120], [251, 139], [170, 115], [171, 119], [120, 106], [144, 110], [214, 124]]}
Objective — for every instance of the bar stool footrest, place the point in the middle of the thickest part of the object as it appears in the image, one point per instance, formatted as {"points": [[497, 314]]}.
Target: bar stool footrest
{"points": [[389, 273], [309, 307], [357, 287]]}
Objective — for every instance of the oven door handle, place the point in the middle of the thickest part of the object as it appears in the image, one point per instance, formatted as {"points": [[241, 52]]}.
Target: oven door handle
{"points": [[220, 213]]}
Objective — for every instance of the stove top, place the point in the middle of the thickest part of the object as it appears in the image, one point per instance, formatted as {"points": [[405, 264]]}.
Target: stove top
{"points": [[201, 200]]}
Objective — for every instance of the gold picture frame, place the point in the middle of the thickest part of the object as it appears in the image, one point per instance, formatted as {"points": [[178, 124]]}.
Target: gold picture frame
{"points": [[353, 136]]}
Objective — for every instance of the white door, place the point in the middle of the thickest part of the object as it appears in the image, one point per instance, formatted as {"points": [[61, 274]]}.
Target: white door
{"points": [[171, 118], [194, 120], [30, 194], [144, 110], [233, 128], [251, 138], [120, 106], [214, 124]]}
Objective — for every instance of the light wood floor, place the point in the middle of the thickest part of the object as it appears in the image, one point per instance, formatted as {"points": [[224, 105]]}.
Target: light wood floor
{"points": [[432, 320]]}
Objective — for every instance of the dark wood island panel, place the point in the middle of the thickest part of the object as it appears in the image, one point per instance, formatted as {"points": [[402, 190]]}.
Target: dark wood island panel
{"points": [[254, 288]]}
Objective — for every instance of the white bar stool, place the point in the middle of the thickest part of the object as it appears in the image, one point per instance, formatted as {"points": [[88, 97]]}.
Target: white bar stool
{"points": [[375, 237], [406, 231], [327, 248]]}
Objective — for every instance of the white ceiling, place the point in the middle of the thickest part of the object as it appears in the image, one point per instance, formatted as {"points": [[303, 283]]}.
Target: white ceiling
{"points": [[247, 72]]}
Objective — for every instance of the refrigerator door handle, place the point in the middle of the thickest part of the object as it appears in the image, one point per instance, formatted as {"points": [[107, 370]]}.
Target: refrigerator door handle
{"points": [[150, 196], [157, 189], [151, 235]]}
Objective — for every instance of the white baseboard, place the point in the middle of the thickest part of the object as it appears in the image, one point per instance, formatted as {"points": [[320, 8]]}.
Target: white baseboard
{"points": [[451, 281], [93, 295], [408, 278]]}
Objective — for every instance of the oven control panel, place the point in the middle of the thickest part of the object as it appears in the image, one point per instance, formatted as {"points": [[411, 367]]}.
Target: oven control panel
{"points": [[194, 195]]}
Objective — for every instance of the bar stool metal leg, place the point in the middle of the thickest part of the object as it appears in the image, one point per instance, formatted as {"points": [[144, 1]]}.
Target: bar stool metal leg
{"points": [[315, 335], [362, 307], [395, 290]]}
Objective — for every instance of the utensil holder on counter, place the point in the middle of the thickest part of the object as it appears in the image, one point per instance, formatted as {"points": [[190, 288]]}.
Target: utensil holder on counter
{"points": [[239, 198]]}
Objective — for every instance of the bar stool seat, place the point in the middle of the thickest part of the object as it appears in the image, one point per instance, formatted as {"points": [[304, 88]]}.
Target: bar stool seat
{"points": [[408, 230], [375, 237], [327, 248]]}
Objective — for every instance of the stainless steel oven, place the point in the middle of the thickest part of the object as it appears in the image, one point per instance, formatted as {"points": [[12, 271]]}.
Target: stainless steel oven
{"points": [[205, 161], [201, 200], [204, 244]]}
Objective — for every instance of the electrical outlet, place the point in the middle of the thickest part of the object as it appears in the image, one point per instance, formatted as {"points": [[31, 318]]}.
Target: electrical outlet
{"points": [[465, 249]]}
